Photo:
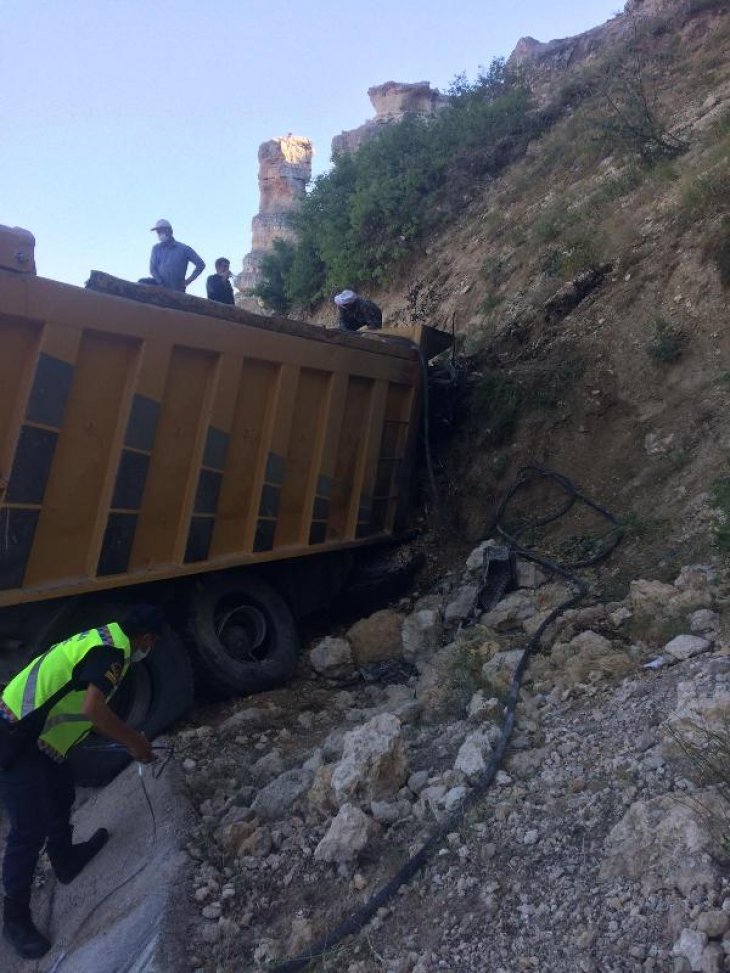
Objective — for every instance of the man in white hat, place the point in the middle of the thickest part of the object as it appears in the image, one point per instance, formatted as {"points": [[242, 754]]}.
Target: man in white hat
{"points": [[357, 312], [169, 260]]}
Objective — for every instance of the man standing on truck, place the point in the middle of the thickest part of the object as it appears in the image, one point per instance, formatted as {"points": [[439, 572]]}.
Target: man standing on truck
{"points": [[37, 787], [218, 285], [169, 260], [357, 312]]}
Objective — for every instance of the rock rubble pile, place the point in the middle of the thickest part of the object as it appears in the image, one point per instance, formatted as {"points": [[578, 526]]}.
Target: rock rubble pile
{"points": [[602, 845]]}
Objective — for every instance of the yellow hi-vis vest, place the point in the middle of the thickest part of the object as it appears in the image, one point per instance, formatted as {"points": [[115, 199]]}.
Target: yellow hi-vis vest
{"points": [[65, 724]]}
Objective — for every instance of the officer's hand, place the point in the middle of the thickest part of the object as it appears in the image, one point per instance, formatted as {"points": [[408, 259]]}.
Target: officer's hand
{"points": [[141, 750]]}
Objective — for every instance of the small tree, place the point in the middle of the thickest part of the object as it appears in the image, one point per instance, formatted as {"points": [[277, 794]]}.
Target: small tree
{"points": [[275, 268], [632, 120]]}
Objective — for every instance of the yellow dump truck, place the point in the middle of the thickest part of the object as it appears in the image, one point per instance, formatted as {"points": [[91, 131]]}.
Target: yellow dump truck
{"points": [[164, 448]]}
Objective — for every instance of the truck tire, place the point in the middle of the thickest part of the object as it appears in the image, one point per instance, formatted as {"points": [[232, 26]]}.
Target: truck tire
{"points": [[241, 636], [154, 694]]}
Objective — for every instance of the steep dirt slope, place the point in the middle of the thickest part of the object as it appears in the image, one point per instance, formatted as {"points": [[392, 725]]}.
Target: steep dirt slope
{"points": [[628, 392]]}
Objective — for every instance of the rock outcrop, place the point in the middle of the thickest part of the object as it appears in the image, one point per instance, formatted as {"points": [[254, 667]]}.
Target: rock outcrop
{"points": [[285, 168], [392, 101]]}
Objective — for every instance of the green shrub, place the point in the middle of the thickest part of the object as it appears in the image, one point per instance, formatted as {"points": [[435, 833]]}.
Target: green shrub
{"points": [[275, 268], [705, 195], [619, 186], [720, 499], [365, 215], [667, 342], [579, 251], [490, 303]]}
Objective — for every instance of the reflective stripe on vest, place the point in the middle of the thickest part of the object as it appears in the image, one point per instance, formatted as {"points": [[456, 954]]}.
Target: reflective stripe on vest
{"points": [[66, 724]]}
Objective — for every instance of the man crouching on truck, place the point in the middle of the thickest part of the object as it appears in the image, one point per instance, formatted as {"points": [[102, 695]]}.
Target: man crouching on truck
{"points": [[38, 788]]}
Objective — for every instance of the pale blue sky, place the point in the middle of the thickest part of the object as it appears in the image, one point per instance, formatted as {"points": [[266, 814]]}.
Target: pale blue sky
{"points": [[114, 113]]}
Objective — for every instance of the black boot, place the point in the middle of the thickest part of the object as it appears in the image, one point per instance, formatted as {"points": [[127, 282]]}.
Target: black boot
{"points": [[71, 862], [20, 932]]}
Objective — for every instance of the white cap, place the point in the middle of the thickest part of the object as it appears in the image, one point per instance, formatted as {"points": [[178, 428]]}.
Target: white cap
{"points": [[345, 297], [162, 225]]}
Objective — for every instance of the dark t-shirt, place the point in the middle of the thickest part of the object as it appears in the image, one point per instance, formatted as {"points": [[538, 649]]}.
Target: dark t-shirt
{"points": [[101, 667], [359, 313], [219, 289]]}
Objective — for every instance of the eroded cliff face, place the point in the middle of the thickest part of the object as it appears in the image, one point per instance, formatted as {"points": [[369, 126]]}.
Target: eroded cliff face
{"points": [[285, 168], [392, 101], [567, 52]]}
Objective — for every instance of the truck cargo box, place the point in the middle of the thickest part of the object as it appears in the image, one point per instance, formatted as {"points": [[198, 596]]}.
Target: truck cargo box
{"points": [[141, 441]]}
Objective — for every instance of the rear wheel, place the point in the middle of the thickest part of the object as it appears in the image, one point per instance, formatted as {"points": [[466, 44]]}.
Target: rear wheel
{"points": [[242, 635]]}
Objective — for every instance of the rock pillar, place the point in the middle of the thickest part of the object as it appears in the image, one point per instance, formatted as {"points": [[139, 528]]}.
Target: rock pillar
{"points": [[392, 101], [285, 168]]}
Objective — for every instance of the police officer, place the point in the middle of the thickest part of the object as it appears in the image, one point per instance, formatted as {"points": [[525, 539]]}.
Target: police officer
{"points": [[38, 789]]}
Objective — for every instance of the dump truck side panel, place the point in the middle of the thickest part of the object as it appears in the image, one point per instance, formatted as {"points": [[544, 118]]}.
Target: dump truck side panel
{"points": [[141, 442]]}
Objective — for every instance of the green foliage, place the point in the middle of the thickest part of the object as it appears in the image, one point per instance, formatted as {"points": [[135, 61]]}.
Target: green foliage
{"points": [[364, 216], [705, 195], [490, 303], [275, 268], [632, 121], [619, 186], [578, 251], [496, 403], [720, 499], [667, 342]]}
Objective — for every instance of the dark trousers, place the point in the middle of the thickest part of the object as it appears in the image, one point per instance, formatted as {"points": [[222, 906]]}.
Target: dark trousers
{"points": [[38, 795]]}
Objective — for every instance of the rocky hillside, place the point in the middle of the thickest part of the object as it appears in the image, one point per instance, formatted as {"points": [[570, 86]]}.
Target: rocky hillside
{"points": [[600, 847], [588, 283]]}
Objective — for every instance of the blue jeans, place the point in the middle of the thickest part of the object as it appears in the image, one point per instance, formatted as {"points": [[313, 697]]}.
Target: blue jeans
{"points": [[38, 795]]}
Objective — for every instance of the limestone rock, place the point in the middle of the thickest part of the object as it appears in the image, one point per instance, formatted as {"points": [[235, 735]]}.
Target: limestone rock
{"points": [[664, 843], [654, 597], [276, 798], [267, 767], [373, 765], [500, 668], [257, 844], [377, 638], [433, 689], [233, 836], [285, 168], [691, 944], [475, 561], [252, 717], [481, 708], [703, 621], [421, 632], [472, 757], [650, 597], [685, 646], [332, 658], [388, 812], [715, 923], [697, 717], [461, 604], [346, 837], [513, 609], [392, 101]]}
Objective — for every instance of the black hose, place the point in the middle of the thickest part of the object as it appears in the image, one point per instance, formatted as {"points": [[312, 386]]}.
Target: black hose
{"points": [[355, 922]]}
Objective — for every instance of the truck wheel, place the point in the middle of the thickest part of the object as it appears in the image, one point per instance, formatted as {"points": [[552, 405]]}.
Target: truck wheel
{"points": [[242, 636], [153, 694]]}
